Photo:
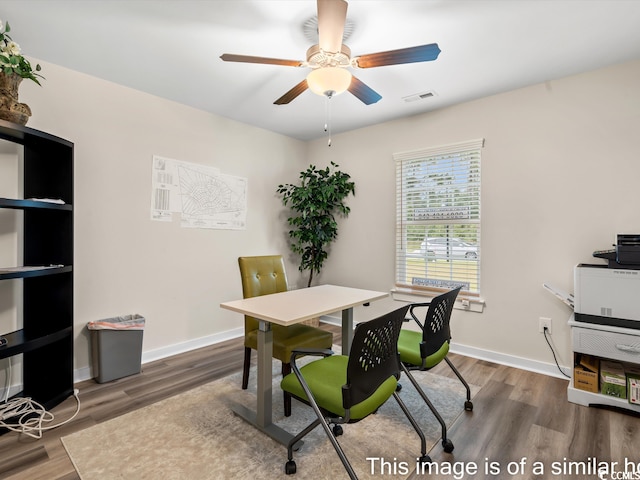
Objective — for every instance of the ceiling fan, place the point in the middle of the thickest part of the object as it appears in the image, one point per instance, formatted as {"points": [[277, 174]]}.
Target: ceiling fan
{"points": [[330, 59]]}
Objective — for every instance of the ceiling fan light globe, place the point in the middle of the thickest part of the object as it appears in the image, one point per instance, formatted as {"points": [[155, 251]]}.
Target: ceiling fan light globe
{"points": [[329, 81]]}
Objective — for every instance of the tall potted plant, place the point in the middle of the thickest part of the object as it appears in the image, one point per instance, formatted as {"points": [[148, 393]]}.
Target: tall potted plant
{"points": [[315, 202]]}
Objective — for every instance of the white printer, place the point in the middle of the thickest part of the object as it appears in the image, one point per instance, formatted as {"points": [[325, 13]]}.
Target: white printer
{"points": [[607, 295]]}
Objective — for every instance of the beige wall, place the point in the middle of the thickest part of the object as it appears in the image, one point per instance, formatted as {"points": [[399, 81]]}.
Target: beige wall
{"points": [[560, 173], [124, 262]]}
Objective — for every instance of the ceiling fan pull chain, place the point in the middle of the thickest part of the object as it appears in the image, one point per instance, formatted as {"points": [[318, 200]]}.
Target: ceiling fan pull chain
{"points": [[327, 116]]}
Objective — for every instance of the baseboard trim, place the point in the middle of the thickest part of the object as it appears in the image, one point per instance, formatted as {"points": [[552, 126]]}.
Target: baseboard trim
{"points": [[522, 363], [550, 369], [168, 351], [84, 373]]}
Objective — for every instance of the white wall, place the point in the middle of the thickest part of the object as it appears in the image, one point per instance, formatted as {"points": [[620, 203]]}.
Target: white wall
{"points": [[560, 171], [124, 262]]}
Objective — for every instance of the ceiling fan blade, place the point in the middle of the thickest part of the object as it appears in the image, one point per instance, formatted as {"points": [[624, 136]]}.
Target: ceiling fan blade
{"points": [[422, 53], [332, 14], [292, 94], [363, 92], [230, 57]]}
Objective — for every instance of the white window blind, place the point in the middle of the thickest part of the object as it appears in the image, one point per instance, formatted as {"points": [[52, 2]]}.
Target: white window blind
{"points": [[438, 217]]}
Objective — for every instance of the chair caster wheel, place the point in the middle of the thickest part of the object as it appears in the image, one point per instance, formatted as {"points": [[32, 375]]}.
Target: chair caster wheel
{"points": [[468, 406], [425, 459], [447, 445], [337, 430], [290, 467], [398, 387]]}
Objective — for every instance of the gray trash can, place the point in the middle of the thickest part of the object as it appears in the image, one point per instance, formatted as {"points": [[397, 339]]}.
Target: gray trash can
{"points": [[116, 347]]}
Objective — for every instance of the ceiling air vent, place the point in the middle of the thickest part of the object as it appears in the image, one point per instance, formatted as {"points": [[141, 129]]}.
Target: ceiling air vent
{"points": [[419, 96]]}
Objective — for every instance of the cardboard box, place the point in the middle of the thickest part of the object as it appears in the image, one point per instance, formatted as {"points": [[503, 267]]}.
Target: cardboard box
{"points": [[590, 362], [632, 372], [585, 372], [613, 380]]}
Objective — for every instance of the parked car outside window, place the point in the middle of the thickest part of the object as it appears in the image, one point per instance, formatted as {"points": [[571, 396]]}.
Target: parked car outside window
{"points": [[448, 248]]}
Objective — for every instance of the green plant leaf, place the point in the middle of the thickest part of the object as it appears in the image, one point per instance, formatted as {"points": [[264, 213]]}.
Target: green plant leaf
{"points": [[314, 202]]}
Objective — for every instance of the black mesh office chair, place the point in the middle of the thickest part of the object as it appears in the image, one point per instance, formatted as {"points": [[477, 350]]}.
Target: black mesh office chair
{"points": [[425, 349], [343, 389]]}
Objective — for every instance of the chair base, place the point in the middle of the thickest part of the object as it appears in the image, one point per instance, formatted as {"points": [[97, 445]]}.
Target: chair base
{"points": [[446, 443], [295, 442], [468, 405]]}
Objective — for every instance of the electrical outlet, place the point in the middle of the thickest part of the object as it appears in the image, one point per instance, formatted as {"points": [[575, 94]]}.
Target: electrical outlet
{"points": [[544, 322]]}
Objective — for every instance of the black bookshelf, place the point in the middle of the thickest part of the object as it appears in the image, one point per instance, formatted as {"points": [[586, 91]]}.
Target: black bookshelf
{"points": [[46, 337]]}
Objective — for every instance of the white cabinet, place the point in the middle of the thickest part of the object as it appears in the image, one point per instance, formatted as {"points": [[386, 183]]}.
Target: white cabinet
{"points": [[615, 343]]}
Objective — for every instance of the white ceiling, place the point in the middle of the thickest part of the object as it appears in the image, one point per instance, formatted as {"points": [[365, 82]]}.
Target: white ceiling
{"points": [[171, 48]]}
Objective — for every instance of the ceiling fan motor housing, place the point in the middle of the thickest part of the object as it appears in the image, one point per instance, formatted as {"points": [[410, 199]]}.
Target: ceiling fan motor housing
{"points": [[317, 58]]}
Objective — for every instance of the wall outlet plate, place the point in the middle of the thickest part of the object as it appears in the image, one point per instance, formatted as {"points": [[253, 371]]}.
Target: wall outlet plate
{"points": [[544, 322]]}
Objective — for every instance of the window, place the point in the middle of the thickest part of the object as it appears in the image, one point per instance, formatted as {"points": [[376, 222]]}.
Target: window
{"points": [[438, 218]]}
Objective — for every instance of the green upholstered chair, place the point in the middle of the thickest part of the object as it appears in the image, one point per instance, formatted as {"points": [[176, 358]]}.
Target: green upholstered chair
{"points": [[262, 275], [424, 349], [343, 389]]}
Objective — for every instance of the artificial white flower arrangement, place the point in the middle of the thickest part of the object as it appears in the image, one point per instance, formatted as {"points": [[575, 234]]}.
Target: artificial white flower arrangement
{"points": [[11, 60]]}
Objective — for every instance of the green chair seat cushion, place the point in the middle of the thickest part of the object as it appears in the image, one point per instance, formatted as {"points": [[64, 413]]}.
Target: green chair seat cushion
{"points": [[286, 339], [409, 348], [325, 378]]}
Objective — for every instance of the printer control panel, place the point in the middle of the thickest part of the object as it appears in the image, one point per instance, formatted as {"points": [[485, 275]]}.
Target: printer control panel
{"points": [[625, 254]]}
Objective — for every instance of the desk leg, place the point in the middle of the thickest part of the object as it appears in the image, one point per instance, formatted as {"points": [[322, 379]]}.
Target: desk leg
{"points": [[347, 330], [265, 364], [262, 417]]}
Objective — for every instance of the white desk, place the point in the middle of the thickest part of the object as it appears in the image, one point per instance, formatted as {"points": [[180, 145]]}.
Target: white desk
{"points": [[288, 308]]}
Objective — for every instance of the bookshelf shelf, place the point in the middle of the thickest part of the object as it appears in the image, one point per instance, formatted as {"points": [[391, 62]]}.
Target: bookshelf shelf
{"points": [[45, 340]]}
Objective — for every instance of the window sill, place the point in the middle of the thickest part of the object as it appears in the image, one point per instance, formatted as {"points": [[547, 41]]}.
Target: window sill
{"points": [[469, 304]]}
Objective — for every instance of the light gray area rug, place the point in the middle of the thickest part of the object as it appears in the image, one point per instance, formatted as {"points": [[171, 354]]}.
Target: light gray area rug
{"points": [[194, 435]]}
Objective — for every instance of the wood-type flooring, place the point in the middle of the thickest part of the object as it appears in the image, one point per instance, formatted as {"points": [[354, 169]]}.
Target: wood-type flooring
{"points": [[519, 418]]}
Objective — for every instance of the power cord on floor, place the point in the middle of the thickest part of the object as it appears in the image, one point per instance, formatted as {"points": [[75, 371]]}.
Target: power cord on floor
{"points": [[29, 417], [545, 331]]}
